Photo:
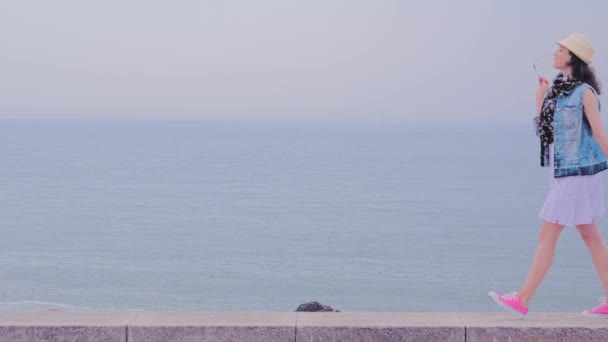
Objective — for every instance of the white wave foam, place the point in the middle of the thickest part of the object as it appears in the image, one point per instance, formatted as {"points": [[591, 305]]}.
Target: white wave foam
{"points": [[34, 305]]}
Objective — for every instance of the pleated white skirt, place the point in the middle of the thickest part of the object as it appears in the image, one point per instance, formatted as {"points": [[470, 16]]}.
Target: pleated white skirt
{"points": [[573, 200]]}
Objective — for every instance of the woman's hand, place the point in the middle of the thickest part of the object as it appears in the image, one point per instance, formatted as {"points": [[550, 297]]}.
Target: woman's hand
{"points": [[541, 91]]}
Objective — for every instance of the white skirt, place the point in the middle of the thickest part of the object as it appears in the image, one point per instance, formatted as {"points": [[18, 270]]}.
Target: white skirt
{"points": [[573, 200]]}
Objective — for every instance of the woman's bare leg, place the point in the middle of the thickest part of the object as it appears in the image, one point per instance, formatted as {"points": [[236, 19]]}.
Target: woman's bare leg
{"points": [[549, 234], [599, 252]]}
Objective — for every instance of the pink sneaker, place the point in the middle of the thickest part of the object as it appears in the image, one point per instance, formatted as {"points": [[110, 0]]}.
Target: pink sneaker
{"points": [[600, 311], [510, 302]]}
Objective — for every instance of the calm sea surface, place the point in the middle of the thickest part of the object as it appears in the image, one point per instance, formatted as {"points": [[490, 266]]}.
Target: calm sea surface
{"points": [[237, 216]]}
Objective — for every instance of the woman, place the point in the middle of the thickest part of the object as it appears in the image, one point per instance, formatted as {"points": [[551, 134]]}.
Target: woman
{"points": [[574, 146]]}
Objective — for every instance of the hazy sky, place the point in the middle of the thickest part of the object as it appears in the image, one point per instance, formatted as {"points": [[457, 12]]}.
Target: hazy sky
{"points": [[374, 60]]}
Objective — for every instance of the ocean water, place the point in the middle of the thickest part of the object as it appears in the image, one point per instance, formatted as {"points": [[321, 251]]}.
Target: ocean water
{"points": [[245, 216]]}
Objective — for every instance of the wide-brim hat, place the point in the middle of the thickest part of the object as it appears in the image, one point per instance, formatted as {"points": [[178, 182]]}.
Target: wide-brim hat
{"points": [[579, 46]]}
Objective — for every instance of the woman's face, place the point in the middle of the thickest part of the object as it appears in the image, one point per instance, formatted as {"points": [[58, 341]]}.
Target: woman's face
{"points": [[562, 57]]}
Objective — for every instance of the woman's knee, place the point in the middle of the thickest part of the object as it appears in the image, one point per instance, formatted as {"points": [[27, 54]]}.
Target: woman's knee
{"points": [[589, 232], [549, 232]]}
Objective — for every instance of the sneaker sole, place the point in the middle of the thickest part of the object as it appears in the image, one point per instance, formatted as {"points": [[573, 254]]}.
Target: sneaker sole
{"points": [[590, 315], [494, 297]]}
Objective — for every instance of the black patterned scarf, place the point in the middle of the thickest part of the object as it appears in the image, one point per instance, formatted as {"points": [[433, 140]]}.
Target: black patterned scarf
{"points": [[561, 84]]}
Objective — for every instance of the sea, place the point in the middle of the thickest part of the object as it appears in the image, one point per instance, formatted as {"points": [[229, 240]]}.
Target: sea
{"points": [[176, 215]]}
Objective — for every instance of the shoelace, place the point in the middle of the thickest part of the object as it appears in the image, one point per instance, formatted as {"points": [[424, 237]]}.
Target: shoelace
{"points": [[602, 300], [511, 296]]}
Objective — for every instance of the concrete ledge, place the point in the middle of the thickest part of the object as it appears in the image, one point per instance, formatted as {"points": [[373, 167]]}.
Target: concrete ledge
{"points": [[209, 326], [297, 326], [379, 326], [63, 326], [554, 327]]}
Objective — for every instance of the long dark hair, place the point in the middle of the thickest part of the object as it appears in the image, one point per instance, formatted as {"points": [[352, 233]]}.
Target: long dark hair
{"points": [[584, 73]]}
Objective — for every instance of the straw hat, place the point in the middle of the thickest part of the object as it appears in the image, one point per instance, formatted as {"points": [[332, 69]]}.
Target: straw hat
{"points": [[579, 46]]}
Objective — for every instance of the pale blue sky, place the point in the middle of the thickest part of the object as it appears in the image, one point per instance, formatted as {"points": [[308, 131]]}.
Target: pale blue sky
{"points": [[375, 60]]}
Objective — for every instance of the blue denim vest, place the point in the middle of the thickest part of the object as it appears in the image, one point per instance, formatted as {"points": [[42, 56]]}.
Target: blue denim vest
{"points": [[575, 150]]}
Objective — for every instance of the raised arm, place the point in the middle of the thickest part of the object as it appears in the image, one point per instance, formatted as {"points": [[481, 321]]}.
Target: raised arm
{"points": [[541, 92]]}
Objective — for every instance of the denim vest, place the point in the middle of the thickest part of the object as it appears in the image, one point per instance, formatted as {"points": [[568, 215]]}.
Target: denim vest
{"points": [[575, 150]]}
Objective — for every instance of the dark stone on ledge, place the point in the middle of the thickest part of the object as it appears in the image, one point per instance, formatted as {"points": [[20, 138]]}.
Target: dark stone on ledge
{"points": [[315, 307]]}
